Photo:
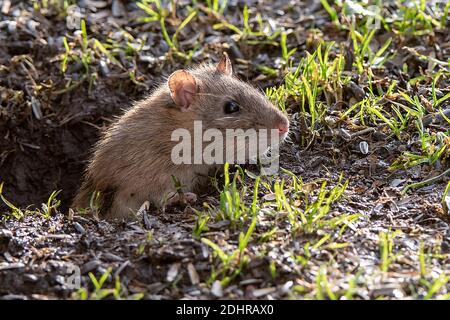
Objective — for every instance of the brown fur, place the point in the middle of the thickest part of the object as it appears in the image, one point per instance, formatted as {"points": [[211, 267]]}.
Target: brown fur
{"points": [[133, 159]]}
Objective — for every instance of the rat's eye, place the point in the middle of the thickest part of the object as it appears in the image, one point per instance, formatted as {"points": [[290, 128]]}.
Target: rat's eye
{"points": [[231, 107]]}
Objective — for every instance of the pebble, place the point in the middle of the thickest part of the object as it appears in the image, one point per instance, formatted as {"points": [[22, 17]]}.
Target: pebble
{"points": [[5, 233], [36, 107], [173, 272], [117, 8], [9, 266], [90, 266], [111, 257], [79, 228], [193, 275], [389, 291], [12, 26], [286, 287], [364, 147], [216, 289], [345, 134], [249, 281], [263, 292], [30, 277], [31, 26], [104, 67]]}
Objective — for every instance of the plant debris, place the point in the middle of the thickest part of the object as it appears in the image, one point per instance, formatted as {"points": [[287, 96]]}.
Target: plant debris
{"points": [[359, 209]]}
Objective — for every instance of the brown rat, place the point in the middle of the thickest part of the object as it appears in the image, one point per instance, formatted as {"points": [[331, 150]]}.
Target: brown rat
{"points": [[133, 162]]}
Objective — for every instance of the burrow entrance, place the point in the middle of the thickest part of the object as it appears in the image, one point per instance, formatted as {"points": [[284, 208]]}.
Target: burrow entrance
{"points": [[38, 158]]}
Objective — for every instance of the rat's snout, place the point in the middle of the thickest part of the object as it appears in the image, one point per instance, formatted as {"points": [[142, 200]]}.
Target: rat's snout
{"points": [[282, 124], [283, 128]]}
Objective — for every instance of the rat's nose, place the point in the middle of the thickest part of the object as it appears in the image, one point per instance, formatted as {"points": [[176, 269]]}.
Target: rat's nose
{"points": [[281, 123], [283, 128]]}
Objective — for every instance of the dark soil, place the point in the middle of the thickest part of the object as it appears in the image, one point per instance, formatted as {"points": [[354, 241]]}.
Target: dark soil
{"points": [[47, 132]]}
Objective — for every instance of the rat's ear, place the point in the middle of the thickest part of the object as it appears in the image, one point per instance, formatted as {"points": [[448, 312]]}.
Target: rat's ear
{"points": [[224, 65], [182, 87]]}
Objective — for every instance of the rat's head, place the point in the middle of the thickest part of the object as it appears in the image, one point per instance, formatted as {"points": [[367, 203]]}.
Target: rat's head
{"points": [[221, 101]]}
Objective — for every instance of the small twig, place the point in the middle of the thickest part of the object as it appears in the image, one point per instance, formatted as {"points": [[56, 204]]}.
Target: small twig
{"points": [[363, 132], [92, 125], [425, 182]]}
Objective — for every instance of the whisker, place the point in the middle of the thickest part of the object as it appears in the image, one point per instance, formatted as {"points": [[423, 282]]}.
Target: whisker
{"points": [[226, 118], [211, 95]]}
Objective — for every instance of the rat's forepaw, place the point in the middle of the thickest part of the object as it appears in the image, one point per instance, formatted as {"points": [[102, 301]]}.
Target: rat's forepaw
{"points": [[190, 197], [183, 198]]}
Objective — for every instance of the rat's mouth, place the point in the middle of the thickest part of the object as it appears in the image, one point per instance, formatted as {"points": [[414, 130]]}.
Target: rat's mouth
{"points": [[283, 136]]}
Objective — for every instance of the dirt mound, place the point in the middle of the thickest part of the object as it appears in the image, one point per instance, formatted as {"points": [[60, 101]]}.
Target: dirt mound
{"points": [[38, 160]]}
